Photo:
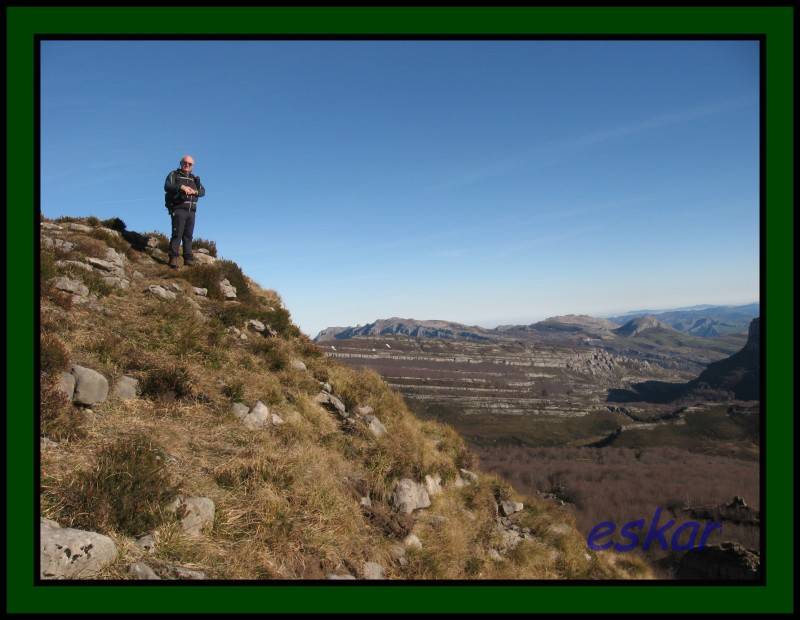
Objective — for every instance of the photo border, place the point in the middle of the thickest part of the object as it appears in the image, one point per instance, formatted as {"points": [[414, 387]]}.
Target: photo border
{"points": [[773, 26]]}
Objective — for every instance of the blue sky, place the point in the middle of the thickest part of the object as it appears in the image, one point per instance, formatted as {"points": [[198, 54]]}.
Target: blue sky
{"points": [[484, 182]]}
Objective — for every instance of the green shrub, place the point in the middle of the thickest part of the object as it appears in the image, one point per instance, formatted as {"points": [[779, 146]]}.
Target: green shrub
{"points": [[125, 491], [163, 240], [234, 390], [47, 267], [233, 273], [89, 247], [273, 351], [114, 224], [118, 243], [95, 283], [92, 221], [204, 276], [168, 382], [53, 354], [60, 421], [66, 219], [209, 245]]}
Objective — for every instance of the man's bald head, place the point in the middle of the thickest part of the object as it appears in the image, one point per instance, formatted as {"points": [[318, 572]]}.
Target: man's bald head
{"points": [[187, 161]]}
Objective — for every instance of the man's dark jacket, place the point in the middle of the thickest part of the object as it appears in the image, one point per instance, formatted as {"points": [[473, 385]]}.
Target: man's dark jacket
{"points": [[174, 197]]}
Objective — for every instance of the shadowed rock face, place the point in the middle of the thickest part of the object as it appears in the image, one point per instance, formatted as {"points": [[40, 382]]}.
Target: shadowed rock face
{"points": [[736, 377], [728, 560], [738, 373]]}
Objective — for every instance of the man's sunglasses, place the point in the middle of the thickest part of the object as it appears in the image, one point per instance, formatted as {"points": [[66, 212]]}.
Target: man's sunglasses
{"points": [[186, 163]]}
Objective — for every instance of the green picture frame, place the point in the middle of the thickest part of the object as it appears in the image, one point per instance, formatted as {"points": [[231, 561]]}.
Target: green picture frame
{"points": [[772, 25]]}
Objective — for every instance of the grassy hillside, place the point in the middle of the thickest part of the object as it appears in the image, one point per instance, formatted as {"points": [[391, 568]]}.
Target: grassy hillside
{"points": [[289, 498]]}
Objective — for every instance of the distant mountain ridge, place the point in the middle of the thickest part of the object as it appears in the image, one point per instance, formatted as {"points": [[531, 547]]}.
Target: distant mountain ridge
{"points": [[637, 325], [705, 321], [407, 327]]}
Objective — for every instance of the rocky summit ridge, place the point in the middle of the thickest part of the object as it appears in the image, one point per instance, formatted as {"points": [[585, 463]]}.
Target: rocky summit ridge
{"points": [[190, 431]]}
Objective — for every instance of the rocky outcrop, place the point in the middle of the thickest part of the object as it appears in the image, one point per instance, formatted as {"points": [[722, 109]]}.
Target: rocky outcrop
{"points": [[728, 560]]}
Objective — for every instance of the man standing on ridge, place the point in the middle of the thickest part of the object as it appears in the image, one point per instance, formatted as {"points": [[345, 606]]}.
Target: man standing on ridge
{"points": [[181, 191]]}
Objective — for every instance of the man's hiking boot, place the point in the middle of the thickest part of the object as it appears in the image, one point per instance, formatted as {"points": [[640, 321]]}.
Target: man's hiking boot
{"points": [[188, 262], [173, 262]]}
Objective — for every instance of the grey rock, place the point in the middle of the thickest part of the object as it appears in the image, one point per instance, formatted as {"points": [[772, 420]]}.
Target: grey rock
{"points": [[179, 572], [259, 417], [126, 388], [176, 287], [198, 513], [204, 259], [364, 410], [161, 292], [375, 426], [240, 410], [409, 496], [433, 484], [49, 226], [372, 570], [158, 255], [90, 386], [228, 290], [117, 282], [110, 231], [277, 420], [203, 292], [69, 285], [65, 264], [255, 325], [140, 570], [326, 387], [494, 555], [115, 257], [152, 242], [330, 402], [200, 251], [147, 543], [73, 226], [66, 383], [237, 333], [48, 522], [366, 502], [298, 364], [138, 275], [468, 476], [57, 244], [101, 264], [68, 553], [508, 507]]}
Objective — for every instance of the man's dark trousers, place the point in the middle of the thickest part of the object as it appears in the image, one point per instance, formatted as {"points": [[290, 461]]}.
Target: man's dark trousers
{"points": [[182, 229]]}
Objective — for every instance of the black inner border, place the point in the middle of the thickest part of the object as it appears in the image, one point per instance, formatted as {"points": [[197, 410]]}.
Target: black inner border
{"points": [[761, 38]]}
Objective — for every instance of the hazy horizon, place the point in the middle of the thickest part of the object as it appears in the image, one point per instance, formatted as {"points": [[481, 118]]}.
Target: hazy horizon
{"points": [[478, 181], [528, 319]]}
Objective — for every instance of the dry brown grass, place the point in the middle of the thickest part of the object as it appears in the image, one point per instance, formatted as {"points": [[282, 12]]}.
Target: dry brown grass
{"points": [[287, 497]]}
